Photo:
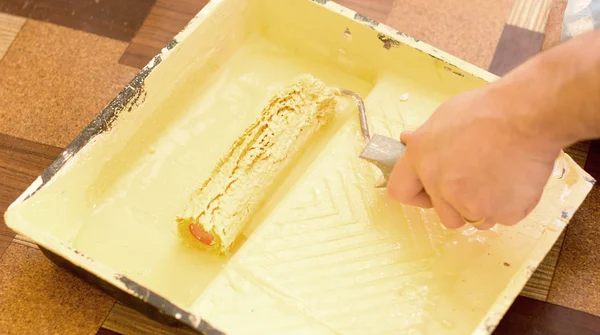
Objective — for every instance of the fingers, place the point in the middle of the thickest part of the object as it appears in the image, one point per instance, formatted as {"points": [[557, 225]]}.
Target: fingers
{"points": [[406, 136], [477, 219], [404, 185], [486, 224], [448, 215], [508, 218], [515, 214], [422, 200]]}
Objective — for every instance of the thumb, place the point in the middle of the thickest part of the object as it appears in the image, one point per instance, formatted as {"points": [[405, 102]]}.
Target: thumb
{"points": [[404, 184], [406, 136]]}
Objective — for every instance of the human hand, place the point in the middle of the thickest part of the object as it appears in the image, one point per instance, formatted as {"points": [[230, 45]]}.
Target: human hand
{"points": [[472, 161]]}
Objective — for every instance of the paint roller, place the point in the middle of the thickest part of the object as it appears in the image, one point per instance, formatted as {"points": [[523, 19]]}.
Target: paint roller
{"points": [[222, 207]]}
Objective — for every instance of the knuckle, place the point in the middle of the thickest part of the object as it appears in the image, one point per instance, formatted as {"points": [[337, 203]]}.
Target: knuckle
{"points": [[512, 220], [427, 172], [475, 205], [395, 191], [482, 207], [521, 212], [453, 189], [512, 217]]}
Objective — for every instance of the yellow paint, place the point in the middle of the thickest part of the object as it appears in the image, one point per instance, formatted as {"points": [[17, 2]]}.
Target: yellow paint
{"points": [[258, 161], [328, 253]]}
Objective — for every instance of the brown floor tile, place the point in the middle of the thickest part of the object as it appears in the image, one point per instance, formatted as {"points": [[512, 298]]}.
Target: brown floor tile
{"points": [[579, 152], [115, 19], [528, 316], [25, 241], [41, 298], [576, 282], [538, 286], [375, 9], [10, 26], [592, 165], [124, 320], [540, 282], [21, 162], [6, 237], [516, 46], [104, 331], [167, 18], [522, 36], [469, 31], [55, 80], [554, 25]]}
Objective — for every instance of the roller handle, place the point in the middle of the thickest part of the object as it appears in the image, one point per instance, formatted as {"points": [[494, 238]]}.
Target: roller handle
{"points": [[383, 152]]}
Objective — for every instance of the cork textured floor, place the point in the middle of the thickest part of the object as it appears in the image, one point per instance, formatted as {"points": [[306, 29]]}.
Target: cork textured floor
{"points": [[61, 61]]}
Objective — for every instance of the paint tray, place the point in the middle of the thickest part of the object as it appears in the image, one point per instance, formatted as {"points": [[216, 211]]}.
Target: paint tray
{"points": [[328, 253]]}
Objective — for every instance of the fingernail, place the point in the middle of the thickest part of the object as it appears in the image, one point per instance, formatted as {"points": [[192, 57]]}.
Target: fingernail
{"points": [[404, 134]]}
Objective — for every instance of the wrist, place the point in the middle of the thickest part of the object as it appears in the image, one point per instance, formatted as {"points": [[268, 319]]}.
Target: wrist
{"points": [[554, 95], [529, 113]]}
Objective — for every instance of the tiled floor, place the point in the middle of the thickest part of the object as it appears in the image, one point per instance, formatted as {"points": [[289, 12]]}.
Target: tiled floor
{"points": [[49, 96], [21, 161], [468, 32], [554, 25], [61, 61], [10, 26], [575, 281], [40, 296], [118, 20], [165, 20]]}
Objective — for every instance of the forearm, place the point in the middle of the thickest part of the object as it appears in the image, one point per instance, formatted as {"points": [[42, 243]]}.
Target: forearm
{"points": [[556, 94]]}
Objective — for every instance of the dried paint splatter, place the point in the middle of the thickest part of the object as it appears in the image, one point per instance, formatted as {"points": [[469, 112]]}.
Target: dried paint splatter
{"points": [[348, 34], [388, 42], [365, 19]]}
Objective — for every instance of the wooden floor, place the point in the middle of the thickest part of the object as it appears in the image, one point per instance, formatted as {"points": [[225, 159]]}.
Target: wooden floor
{"points": [[61, 61]]}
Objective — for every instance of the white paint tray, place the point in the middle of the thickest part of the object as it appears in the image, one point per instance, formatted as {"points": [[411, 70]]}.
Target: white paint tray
{"points": [[329, 253]]}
